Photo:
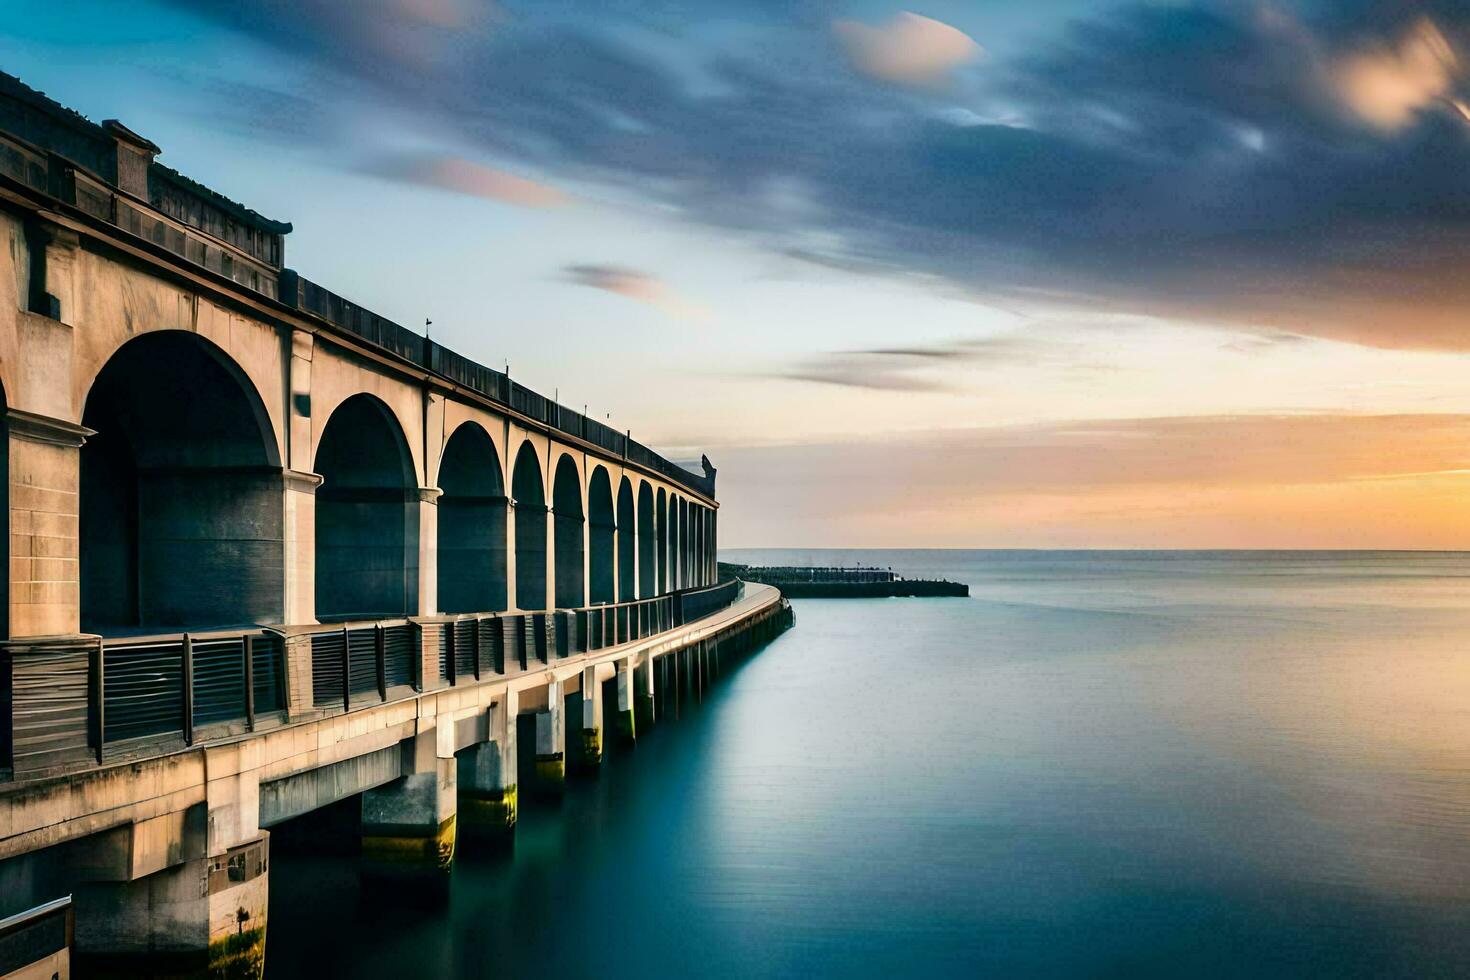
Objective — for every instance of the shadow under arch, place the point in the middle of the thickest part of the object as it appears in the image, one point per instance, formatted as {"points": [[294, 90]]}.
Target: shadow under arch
{"points": [[367, 515], [661, 540], [602, 534], [566, 506], [472, 531], [180, 517], [529, 492]]}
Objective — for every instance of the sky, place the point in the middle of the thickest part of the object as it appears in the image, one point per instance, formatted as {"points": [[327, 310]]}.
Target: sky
{"points": [[1067, 273]]}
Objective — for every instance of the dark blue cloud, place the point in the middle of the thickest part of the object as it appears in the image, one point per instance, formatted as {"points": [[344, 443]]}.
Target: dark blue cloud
{"points": [[1192, 160]]}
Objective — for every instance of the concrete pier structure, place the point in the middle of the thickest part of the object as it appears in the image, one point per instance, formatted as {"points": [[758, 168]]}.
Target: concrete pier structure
{"points": [[550, 761], [270, 552], [409, 824], [589, 696], [487, 775]]}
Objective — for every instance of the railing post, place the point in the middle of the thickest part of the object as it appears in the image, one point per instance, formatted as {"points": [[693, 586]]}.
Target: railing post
{"points": [[248, 651], [449, 647], [99, 719], [188, 689], [475, 623], [379, 655], [346, 671]]}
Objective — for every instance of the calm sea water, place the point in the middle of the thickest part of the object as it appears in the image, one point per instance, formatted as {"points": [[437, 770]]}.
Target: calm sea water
{"points": [[1101, 764]]}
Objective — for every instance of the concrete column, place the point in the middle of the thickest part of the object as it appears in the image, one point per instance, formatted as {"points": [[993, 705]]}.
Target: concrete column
{"points": [[299, 521], [299, 524], [548, 601], [643, 692], [551, 763], [428, 551], [625, 717], [590, 756], [510, 553], [487, 774], [408, 825], [44, 466]]}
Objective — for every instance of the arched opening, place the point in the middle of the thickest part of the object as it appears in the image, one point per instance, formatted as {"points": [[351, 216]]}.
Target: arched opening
{"points": [[647, 541], [529, 491], [367, 515], [601, 561], [180, 516], [566, 506], [685, 578], [661, 542], [628, 530], [472, 566]]}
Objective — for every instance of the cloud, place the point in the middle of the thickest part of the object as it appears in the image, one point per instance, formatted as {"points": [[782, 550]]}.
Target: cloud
{"points": [[1391, 83], [1202, 162], [635, 285], [920, 368], [909, 49], [475, 179]]}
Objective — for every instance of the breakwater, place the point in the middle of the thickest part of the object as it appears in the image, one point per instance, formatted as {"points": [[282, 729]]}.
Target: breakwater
{"points": [[827, 582]]}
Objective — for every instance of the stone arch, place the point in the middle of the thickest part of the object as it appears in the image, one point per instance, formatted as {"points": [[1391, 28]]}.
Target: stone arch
{"points": [[472, 532], [181, 496], [628, 535], [647, 540], [529, 492], [602, 536], [367, 515], [662, 539], [569, 534]]}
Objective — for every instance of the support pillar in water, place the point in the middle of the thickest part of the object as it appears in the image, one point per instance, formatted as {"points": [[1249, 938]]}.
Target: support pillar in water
{"points": [[551, 762], [590, 756], [643, 688], [408, 825], [625, 717], [487, 775]]}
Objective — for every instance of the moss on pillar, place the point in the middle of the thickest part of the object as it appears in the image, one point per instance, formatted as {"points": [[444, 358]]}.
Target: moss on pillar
{"points": [[405, 852], [489, 812]]}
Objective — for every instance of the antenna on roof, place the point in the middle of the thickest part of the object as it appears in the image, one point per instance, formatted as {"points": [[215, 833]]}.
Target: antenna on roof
{"points": [[427, 324]]}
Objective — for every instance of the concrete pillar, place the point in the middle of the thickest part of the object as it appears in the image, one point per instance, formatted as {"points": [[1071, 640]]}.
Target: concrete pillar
{"points": [[299, 525], [428, 551], [511, 601], [44, 466], [625, 717], [590, 756], [299, 521], [644, 686], [487, 774], [408, 825], [548, 600], [551, 763]]}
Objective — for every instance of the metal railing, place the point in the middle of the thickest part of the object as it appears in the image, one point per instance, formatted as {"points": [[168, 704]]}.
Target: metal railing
{"points": [[178, 684], [82, 701]]}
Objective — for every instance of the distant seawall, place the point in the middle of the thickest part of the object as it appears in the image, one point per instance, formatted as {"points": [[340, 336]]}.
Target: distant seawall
{"points": [[799, 582], [900, 588]]}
